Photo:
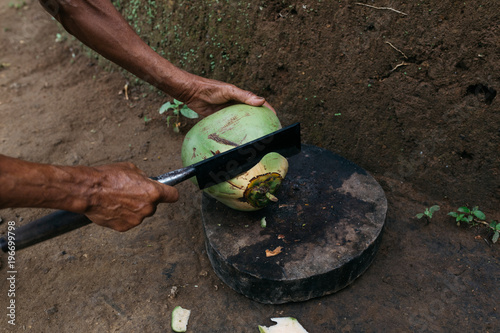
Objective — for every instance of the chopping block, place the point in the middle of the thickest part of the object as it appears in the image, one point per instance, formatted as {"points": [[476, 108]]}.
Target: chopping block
{"points": [[322, 234]]}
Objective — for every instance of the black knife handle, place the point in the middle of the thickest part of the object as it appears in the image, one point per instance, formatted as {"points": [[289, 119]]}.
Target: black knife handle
{"points": [[61, 222], [47, 227]]}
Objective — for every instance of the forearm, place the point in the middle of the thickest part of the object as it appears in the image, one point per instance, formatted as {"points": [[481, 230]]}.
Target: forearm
{"points": [[118, 195], [101, 27], [27, 184]]}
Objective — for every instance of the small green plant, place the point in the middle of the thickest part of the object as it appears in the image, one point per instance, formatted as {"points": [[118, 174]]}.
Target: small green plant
{"points": [[428, 212], [17, 4], [60, 38], [495, 226], [471, 216], [178, 108], [474, 217]]}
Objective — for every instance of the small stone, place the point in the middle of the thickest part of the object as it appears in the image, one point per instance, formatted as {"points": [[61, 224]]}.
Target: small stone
{"points": [[52, 310], [173, 292]]}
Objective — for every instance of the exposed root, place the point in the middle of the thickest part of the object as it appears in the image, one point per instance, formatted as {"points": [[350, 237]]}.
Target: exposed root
{"points": [[395, 48], [382, 8], [399, 65], [125, 90]]}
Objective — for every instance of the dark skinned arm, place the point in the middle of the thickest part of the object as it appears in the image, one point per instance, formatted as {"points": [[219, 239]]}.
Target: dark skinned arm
{"points": [[100, 26], [117, 196]]}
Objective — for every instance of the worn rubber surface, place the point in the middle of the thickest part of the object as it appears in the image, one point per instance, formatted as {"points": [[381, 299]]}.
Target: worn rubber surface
{"points": [[324, 232]]}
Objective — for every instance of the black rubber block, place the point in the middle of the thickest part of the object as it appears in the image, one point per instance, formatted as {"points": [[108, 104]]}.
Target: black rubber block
{"points": [[324, 231]]}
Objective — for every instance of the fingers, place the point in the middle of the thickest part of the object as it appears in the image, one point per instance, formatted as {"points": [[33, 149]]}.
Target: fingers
{"points": [[255, 100], [166, 193], [210, 96], [247, 97], [126, 196], [237, 95], [267, 105]]}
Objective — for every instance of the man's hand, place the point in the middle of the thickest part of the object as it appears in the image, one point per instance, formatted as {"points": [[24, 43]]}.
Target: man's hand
{"points": [[117, 196], [100, 26], [125, 196], [206, 96]]}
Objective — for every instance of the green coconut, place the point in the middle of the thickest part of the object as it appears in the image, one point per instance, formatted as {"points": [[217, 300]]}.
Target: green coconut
{"points": [[230, 128]]}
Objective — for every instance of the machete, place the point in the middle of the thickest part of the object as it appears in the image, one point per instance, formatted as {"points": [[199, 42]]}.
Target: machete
{"points": [[211, 171]]}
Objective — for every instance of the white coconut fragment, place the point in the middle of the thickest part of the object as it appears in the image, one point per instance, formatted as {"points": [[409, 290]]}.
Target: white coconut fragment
{"points": [[283, 325], [180, 318]]}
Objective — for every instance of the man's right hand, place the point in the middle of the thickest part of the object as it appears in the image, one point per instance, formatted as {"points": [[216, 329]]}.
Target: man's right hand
{"points": [[125, 196], [117, 196]]}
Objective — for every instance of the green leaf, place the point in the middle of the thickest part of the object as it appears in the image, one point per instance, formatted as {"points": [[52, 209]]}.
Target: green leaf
{"points": [[188, 113], [434, 208], [168, 120], [463, 210], [497, 227], [479, 214], [454, 214], [470, 218], [165, 107], [495, 236], [419, 215], [460, 217], [177, 103]]}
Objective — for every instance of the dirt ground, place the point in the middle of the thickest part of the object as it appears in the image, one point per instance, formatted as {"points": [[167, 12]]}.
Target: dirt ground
{"points": [[421, 114]]}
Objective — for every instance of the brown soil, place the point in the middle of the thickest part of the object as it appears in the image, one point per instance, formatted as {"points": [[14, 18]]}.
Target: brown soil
{"points": [[427, 130]]}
